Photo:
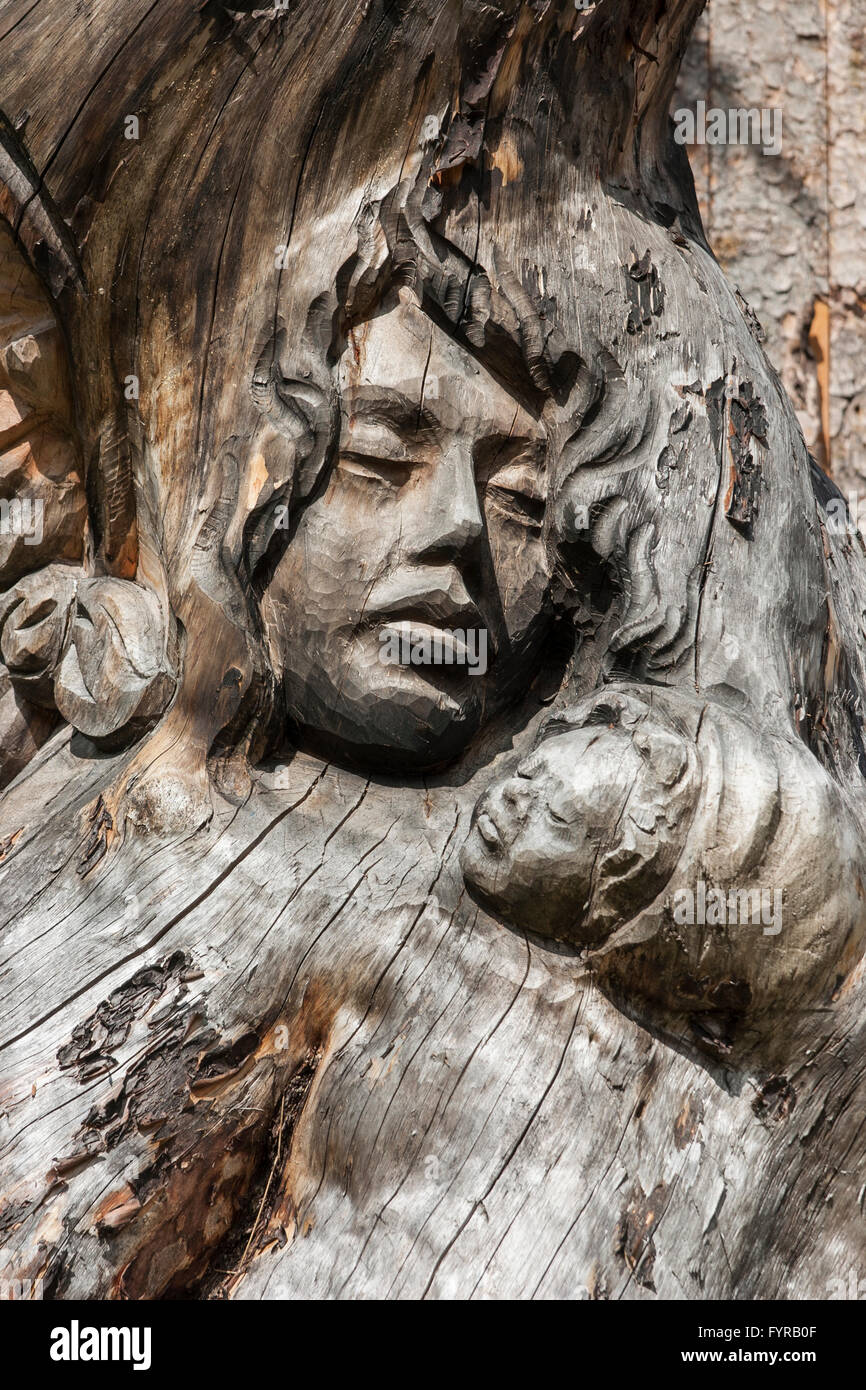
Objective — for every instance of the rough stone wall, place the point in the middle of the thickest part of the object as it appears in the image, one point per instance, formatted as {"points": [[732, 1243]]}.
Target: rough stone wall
{"points": [[791, 230]]}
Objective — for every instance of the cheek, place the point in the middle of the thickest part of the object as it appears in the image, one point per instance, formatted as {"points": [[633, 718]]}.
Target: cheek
{"points": [[548, 853], [530, 850], [332, 559], [522, 572]]}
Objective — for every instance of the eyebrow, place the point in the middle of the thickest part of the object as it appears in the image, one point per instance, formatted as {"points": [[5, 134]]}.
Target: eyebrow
{"points": [[500, 452], [385, 406]]}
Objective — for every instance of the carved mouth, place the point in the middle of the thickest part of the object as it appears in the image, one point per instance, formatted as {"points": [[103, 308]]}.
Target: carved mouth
{"points": [[439, 616], [450, 644], [439, 599]]}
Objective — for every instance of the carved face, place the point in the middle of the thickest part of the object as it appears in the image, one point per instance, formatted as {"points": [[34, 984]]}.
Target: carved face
{"points": [[537, 837], [430, 524]]}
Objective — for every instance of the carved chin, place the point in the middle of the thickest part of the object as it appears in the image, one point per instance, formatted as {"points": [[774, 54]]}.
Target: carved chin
{"points": [[490, 875], [393, 718]]}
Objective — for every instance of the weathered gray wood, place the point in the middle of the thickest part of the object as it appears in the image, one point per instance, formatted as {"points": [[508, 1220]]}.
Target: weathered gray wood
{"points": [[259, 1039]]}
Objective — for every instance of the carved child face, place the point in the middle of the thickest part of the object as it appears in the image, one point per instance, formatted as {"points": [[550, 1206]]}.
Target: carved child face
{"points": [[539, 838], [430, 522]]}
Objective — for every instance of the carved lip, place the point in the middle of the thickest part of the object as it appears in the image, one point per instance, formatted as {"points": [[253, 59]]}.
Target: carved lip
{"points": [[449, 641], [439, 599], [430, 613]]}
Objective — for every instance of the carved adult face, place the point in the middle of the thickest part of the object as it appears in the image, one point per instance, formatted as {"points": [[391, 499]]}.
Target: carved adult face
{"points": [[430, 522], [537, 836]]}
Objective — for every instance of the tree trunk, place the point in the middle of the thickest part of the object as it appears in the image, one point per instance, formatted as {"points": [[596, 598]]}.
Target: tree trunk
{"points": [[271, 1025]]}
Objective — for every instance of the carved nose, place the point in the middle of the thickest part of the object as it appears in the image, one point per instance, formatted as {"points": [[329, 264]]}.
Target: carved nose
{"points": [[453, 522]]}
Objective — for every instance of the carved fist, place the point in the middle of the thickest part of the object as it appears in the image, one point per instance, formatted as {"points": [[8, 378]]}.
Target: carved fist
{"points": [[34, 621], [116, 677]]}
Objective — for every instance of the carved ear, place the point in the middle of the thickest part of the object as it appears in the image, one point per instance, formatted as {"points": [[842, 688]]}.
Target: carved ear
{"points": [[665, 753], [654, 828], [632, 874]]}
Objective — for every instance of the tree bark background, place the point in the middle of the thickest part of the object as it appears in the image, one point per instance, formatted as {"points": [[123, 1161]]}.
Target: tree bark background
{"points": [[790, 230]]}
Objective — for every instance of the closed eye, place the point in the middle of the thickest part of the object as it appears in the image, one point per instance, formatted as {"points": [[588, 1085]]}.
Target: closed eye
{"points": [[528, 511], [512, 474], [394, 472]]}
